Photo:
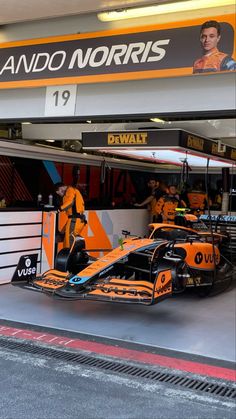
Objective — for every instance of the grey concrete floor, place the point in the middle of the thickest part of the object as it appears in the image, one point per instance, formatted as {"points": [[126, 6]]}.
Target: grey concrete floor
{"points": [[39, 387], [185, 323]]}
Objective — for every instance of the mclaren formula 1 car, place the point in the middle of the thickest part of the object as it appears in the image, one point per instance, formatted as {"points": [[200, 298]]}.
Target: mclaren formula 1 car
{"points": [[143, 270]]}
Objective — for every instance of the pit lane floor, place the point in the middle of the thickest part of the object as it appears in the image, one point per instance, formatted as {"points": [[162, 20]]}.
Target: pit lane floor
{"points": [[183, 323], [38, 386]]}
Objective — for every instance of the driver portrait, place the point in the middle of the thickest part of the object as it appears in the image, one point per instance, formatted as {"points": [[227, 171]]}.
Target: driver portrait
{"points": [[212, 59]]}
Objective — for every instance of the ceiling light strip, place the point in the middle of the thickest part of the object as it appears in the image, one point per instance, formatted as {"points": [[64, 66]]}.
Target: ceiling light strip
{"points": [[160, 9]]}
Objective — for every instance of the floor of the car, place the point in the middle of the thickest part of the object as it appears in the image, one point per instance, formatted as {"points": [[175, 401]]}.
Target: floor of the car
{"points": [[185, 322]]}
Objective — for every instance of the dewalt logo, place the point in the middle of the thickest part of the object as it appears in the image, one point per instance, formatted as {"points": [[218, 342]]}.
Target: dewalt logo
{"points": [[215, 150], [195, 142], [233, 154], [128, 138]]}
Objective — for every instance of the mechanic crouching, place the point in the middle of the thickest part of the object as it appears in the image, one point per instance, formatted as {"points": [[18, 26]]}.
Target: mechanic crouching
{"points": [[73, 205]]}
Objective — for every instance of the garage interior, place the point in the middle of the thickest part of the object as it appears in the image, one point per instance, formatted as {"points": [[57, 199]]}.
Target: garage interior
{"points": [[184, 323]]}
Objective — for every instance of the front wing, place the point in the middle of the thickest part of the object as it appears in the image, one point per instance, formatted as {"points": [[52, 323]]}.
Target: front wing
{"points": [[109, 289]]}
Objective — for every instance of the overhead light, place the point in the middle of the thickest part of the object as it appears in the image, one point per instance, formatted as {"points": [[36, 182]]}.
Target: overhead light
{"points": [[180, 6], [50, 141], [26, 123], [172, 156], [161, 121]]}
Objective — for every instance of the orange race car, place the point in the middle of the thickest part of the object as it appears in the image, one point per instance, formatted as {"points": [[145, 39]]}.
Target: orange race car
{"points": [[143, 270]]}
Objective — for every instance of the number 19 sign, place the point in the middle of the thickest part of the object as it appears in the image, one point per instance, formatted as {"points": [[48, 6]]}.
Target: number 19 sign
{"points": [[60, 100]]}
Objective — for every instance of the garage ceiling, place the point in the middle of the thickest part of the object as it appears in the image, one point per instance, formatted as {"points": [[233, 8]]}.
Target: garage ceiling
{"points": [[224, 129], [24, 10], [69, 136]]}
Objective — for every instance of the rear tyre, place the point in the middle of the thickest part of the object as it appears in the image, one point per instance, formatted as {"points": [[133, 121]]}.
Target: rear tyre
{"points": [[221, 281]]}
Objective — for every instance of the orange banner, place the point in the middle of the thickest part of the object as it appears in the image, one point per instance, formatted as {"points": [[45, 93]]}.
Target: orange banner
{"points": [[192, 47]]}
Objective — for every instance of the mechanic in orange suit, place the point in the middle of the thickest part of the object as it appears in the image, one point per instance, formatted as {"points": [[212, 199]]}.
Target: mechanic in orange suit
{"points": [[197, 199], [151, 200], [213, 60], [73, 205], [168, 203]]}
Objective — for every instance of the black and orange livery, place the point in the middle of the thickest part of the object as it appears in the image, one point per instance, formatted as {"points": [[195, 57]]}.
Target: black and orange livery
{"points": [[143, 270]]}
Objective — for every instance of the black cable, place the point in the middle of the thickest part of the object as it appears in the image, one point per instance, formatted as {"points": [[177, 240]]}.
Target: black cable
{"points": [[230, 210], [104, 167], [184, 174], [230, 189], [103, 171], [209, 216]]}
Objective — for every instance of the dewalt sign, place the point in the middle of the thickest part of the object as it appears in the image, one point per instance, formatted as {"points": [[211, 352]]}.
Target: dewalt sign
{"points": [[216, 151], [127, 138], [233, 154], [206, 146], [195, 143], [165, 139]]}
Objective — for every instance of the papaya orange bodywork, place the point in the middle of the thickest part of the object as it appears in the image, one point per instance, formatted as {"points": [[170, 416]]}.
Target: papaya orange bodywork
{"points": [[200, 255]]}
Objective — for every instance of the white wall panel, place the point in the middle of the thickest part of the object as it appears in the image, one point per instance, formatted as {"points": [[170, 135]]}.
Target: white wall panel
{"points": [[20, 244], [20, 231], [13, 225], [156, 96], [13, 258], [16, 217], [22, 103], [135, 221], [179, 94], [5, 274]]}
